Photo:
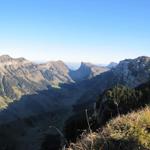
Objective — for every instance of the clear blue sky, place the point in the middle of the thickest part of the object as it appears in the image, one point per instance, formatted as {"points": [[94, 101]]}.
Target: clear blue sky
{"points": [[97, 31]]}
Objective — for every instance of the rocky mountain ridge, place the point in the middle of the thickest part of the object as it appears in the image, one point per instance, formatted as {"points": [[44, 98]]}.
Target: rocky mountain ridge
{"points": [[36, 87], [129, 72], [19, 76], [22, 78], [133, 72], [87, 71], [29, 90]]}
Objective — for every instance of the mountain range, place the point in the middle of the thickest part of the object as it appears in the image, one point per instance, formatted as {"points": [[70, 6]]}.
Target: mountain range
{"points": [[21, 78], [31, 91], [21, 81]]}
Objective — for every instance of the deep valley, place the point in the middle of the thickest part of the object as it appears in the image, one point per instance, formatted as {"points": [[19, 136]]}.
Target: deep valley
{"points": [[38, 101]]}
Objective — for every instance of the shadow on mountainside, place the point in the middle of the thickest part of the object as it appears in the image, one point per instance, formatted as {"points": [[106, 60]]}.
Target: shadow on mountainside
{"points": [[24, 124], [27, 120]]}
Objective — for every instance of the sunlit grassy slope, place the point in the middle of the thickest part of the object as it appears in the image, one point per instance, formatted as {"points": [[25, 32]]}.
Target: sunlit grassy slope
{"points": [[126, 132]]}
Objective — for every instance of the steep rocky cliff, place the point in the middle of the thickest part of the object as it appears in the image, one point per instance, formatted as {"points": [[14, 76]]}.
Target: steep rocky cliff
{"points": [[87, 71]]}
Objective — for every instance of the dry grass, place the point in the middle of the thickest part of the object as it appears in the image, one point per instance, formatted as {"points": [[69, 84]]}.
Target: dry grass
{"points": [[126, 132]]}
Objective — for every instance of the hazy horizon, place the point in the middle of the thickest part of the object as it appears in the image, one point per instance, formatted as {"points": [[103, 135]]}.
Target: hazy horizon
{"points": [[71, 63]]}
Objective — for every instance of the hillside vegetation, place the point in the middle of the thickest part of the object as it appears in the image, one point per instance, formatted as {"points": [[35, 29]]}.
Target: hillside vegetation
{"points": [[126, 132], [115, 101]]}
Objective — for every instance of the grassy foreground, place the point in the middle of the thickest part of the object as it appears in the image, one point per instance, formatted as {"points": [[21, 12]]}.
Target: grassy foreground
{"points": [[126, 132]]}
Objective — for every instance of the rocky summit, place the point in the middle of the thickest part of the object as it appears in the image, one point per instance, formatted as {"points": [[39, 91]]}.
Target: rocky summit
{"points": [[87, 71], [133, 72]]}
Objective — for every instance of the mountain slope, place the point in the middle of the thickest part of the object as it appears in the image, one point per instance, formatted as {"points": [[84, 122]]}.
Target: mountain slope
{"points": [[130, 132], [129, 72], [115, 101], [133, 72], [20, 77]]}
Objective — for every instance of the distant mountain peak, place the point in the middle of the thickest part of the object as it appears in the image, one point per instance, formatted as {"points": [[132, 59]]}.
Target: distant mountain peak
{"points": [[136, 61], [133, 72], [57, 64], [87, 71], [7, 58], [112, 65], [4, 58], [21, 59], [143, 59], [86, 64]]}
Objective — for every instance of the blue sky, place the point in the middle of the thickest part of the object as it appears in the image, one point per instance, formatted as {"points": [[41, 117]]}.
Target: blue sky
{"points": [[97, 31]]}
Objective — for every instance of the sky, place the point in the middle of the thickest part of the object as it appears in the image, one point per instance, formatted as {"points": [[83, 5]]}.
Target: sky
{"points": [[97, 31]]}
